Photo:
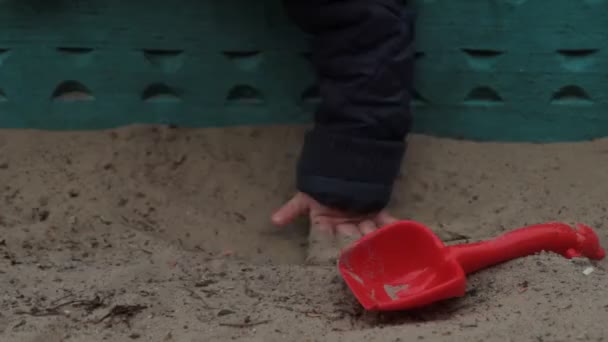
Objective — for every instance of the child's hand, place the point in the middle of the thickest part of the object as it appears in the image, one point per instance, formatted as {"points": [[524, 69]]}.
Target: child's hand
{"points": [[330, 229]]}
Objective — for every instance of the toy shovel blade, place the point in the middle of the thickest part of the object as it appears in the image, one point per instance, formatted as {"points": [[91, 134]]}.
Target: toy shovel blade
{"points": [[405, 265]]}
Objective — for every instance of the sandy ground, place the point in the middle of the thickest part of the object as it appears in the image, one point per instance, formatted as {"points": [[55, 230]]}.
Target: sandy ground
{"points": [[159, 234]]}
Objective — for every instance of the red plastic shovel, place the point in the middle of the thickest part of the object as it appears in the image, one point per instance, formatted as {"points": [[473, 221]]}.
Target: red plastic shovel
{"points": [[405, 265]]}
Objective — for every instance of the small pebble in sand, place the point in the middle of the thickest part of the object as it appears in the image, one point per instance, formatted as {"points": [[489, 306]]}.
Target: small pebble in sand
{"points": [[588, 271], [225, 312]]}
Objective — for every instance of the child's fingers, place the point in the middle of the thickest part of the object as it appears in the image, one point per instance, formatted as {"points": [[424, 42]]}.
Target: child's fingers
{"points": [[346, 234], [384, 219], [295, 207], [367, 227]]}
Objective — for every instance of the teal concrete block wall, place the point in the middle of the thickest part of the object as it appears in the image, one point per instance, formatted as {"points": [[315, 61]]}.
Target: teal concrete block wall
{"points": [[510, 70]]}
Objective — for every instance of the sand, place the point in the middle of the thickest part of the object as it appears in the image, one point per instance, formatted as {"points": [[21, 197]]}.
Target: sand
{"points": [[159, 234]]}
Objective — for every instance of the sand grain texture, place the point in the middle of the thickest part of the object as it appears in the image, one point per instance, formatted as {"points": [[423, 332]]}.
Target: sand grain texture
{"points": [[158, 234]]}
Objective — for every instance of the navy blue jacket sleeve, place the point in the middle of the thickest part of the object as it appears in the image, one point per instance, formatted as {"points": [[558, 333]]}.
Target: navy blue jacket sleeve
{"points": [[363, 54]]}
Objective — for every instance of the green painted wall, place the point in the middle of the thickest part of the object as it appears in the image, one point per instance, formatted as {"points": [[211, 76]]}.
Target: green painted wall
{"points": [[514, 70]]}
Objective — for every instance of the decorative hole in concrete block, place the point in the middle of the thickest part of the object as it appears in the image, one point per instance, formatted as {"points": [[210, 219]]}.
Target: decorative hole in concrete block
{"points": [[75, 50], [72, 91], [4, 53], [482, 59], [3, 97], [483, 96], [245, 60], [577, 59], [571, 95], [311, 95], [418, 100], [160, 93], [168, 61], [244, 94]]}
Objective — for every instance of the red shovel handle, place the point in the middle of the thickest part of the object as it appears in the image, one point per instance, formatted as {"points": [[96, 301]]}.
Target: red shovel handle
{"points": [[551, 237]]}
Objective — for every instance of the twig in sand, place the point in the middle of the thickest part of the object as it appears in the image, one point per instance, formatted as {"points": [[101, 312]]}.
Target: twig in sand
{"points": [[127, 311], [91, 305], [195, 295], [244, 325], [88, 304], [69, 294], [146, 251], [35, 312]]}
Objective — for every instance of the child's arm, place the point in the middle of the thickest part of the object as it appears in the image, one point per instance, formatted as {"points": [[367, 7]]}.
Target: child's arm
{"points": [[363, 52]]}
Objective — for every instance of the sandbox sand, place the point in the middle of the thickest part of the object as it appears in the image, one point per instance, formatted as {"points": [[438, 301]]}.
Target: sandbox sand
{"points": [[158, 234]]}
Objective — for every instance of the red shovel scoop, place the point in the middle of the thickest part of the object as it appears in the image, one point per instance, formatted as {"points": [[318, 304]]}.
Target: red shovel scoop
{"points": [[405, 265]]}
